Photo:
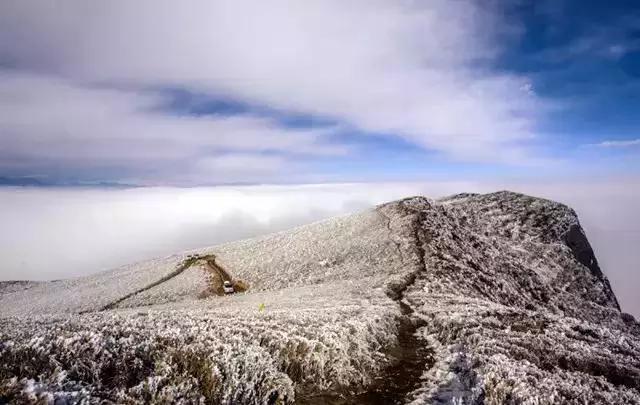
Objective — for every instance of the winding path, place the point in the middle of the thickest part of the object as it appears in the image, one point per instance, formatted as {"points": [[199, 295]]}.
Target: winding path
{"points": [[210, 262]]}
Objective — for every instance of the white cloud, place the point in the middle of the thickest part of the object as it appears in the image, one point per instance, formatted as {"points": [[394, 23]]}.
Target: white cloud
{"points": [[617, 144], [244, 167], [420, 70], [46, 122], [243, 161]]}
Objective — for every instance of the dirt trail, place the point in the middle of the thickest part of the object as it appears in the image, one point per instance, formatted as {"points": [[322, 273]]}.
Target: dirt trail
{"points": [[217, 276], [412, 355]]}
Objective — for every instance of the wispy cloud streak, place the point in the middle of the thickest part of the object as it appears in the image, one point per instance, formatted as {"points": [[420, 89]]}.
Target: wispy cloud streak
{"points": [[616, 143]]}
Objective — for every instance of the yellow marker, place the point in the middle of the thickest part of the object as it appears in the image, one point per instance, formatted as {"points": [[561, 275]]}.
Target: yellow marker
{"points": [[261, 307]]}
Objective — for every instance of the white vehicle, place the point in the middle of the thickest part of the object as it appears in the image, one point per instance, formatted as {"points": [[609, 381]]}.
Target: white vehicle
{"points": [[228, 287]]}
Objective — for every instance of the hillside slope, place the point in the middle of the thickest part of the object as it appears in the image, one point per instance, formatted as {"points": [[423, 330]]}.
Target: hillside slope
{"points": [[493, 298]]}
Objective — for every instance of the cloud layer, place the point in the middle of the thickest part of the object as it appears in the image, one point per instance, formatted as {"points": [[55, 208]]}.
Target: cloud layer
{"points": [[56, 233], [46, 122], [88, 77]]}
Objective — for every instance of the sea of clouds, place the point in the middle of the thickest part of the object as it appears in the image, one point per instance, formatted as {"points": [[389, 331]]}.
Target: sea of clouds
{"points": [[52, 233]]}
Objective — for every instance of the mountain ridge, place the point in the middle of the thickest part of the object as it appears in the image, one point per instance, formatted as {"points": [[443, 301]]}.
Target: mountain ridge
{"points": [[418, 300]]}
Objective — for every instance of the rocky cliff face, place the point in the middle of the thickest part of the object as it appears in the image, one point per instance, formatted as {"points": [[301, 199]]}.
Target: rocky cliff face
{"points": [[493, 299]]}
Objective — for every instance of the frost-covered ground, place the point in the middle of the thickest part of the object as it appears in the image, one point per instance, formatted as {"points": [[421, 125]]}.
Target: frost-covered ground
{"points": [[224, 350], [502, 290], [86, 293], [517, 309]]}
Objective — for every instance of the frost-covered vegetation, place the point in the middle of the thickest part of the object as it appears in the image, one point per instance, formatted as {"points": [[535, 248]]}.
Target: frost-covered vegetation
{"points": [[517, 309], [502, 289], [86, 293], [227, 350]]}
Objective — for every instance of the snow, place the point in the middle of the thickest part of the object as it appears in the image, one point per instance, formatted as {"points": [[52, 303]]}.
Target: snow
{"points": [[501, 288]]}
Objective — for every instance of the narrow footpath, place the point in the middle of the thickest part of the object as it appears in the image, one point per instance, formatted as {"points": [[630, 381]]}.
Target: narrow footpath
{"points": [[411, 355]]}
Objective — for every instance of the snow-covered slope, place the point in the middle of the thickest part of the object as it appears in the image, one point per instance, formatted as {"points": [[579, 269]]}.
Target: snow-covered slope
{"points": [[491, 298]]}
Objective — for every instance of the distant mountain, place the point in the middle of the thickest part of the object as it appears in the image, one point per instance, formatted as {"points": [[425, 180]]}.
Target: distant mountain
{"points": [[21, 181], [43, 182], [469, 299]]}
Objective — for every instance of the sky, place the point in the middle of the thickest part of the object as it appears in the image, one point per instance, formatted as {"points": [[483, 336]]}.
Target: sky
{"points": [[177, 97], [226, 91]]}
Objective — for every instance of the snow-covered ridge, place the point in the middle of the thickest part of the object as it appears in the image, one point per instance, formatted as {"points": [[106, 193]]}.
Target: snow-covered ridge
{"points": [[489, 298]]}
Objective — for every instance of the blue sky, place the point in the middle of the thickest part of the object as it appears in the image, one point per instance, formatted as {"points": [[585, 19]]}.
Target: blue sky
{"points": [[229, 92], [587, 55]]}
